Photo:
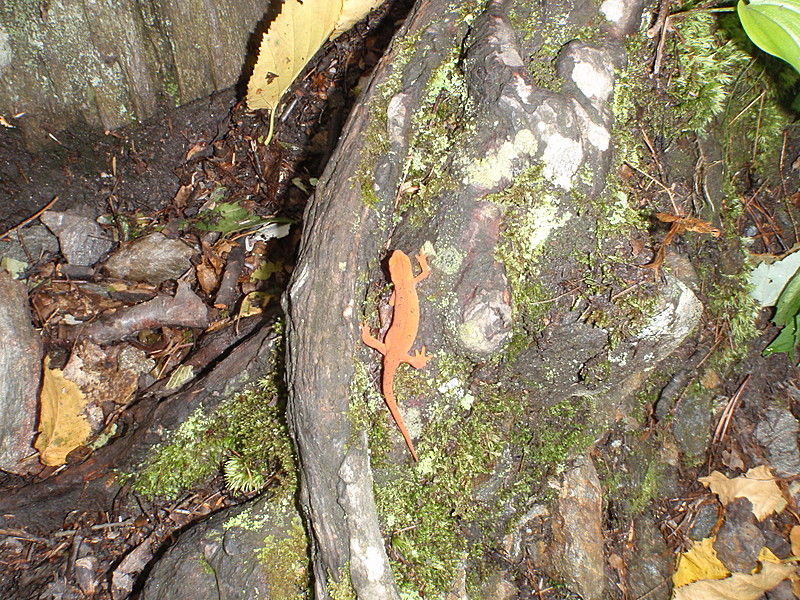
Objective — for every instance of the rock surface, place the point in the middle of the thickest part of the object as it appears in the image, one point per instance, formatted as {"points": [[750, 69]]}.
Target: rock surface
{"points": [[83, 242], [20, 372], [152, 258], [253, 551], [578, 531]]}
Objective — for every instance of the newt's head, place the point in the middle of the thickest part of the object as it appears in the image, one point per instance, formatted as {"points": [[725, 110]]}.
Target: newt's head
{"points": [[399, 264]]}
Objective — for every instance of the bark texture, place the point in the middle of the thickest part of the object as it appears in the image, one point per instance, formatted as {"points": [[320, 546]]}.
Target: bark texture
{"points": [[108, 63]]}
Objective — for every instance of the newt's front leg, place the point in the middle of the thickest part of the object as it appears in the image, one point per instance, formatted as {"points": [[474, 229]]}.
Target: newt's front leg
{"points": [[419, 360]]}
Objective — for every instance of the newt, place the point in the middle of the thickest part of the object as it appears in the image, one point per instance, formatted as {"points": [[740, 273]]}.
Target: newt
{"points": [[402, 331]]}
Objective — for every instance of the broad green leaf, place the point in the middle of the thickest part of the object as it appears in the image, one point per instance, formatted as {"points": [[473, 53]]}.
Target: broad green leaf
{"points": [[774, 26], [786, 341], [787, 315], [788, 304]]}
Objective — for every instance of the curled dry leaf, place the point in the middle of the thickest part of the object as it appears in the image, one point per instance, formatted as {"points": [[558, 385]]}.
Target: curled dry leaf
{"points": [[757, 485]]}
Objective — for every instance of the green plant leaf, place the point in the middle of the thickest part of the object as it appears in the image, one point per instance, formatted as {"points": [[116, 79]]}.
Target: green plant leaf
{"points": [[788, 304], [773, 26], [787, 315], [786, 341]]}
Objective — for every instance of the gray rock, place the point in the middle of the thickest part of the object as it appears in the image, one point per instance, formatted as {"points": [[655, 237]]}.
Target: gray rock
{"points": [[20, 373], [650, 566], [252, 551], [29, 244], [704, 522], [578, 531], [692, 426], [739, 539], [777, 433], [83, 242], [153, 258]]}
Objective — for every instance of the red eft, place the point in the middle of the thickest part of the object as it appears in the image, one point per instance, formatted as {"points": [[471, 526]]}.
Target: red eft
{"points": [[400, 337]]}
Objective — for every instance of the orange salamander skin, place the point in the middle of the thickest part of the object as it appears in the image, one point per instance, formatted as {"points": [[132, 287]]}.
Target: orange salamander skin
{"points": [[402, 332]]}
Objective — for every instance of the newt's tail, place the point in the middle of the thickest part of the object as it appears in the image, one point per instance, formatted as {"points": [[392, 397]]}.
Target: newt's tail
{"points": [[388, 394]]}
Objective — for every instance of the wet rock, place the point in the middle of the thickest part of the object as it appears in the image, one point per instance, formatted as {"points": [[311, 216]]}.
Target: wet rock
{"points": [[83, 242], [650, 566], [29, 244], [20, 373], [153, 258], [777, 434], [252, 551], [739, 539], [692, 426], [704, 522], [578, 532], [498, 588]]}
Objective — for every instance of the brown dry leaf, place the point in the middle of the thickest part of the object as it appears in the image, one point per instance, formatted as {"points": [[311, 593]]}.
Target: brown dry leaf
{"points": [[794, 539], [699, 562], [62, 423], [291, 40], [757, 485], [739, 586]]}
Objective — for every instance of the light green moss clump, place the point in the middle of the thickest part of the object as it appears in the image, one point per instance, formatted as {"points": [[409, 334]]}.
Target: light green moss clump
{"points": [[342, 589], [245, 437]]}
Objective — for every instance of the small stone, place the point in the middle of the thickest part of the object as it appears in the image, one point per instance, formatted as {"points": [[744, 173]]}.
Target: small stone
{"points": [[650, 566], [777, 433], [83, 242], [704, 522], [739, 539], [692, 425], [29, 243], [578, 531], [153, 259]]}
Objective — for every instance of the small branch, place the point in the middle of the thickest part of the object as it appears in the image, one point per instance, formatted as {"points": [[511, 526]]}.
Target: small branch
{"points": [[29, 219]]}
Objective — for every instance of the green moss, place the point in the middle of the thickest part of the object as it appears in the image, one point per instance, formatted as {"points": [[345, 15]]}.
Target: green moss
{"points": [[343, 588], [246, 436], [467, 474], [285, 564]]}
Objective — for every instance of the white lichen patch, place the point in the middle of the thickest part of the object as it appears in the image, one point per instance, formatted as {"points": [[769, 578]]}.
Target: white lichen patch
{"points": [[596, 134], [595, 82], [677, 317], [538, 224], [613, 10], [374, 563], [6, 54], [498, 165], [562, 157]]}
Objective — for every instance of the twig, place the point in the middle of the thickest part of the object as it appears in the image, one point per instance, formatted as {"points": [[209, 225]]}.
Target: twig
{"points": [[29, 219], [727, 414]]}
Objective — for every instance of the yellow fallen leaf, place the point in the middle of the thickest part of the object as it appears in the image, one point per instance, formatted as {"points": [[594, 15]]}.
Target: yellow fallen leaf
{"points": [[757, 485], [291, 40], [699, 562], [352, 12], [739, 586], [62, 423]]}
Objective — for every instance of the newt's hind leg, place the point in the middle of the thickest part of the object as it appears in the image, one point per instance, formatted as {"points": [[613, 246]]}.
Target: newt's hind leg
{"points": [[371, 341]]}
